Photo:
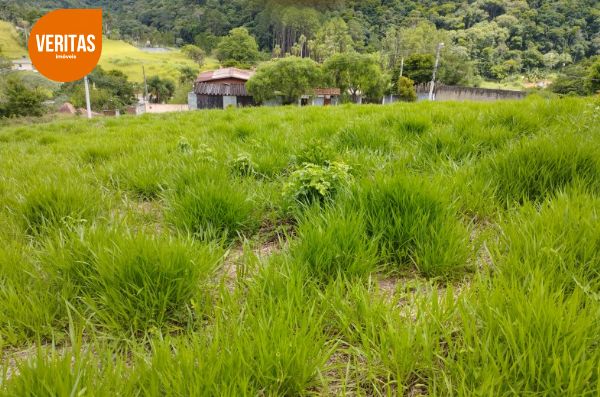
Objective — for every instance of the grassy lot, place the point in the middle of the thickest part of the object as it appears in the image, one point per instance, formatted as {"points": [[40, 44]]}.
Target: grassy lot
{"points": [[414, 249], [9, 42], [129, 59]]}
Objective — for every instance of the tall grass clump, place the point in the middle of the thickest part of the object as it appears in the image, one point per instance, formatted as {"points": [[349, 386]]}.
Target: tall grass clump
{"points": [[208, 204], [414, 227], [559, 239], [515, 119], [266, 339], [72, 372], [534, 327], [540, 168], [131, 284], [363, 135], [536, 317], [389, 349], [28, 309], [144, 175], [334, 243], [54, 204]]}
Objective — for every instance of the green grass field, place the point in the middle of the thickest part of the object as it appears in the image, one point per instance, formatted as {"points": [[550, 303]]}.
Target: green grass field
{"points": [[414, 249], [9, 42]]}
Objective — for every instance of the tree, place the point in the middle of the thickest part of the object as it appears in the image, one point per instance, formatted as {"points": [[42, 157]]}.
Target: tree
{"points": [[571, 81], [160, 90], [239, 46], [110, 90], [195, 53], [289, 78], [5, 64], [455, 66], [406, 89], [593, 78], [187, 75], [18, 100], [419, 67], [403, 42], [355, 73], [206, 41], [333, 38]]}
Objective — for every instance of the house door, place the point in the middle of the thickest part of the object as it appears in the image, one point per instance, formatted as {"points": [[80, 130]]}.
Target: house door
{"points": [[327, 101]]}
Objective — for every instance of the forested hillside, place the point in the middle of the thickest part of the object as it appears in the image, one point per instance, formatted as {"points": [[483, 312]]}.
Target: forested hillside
{"points": [[498, 38]]}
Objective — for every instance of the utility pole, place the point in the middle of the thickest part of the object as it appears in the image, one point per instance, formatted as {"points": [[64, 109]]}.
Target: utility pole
{"points": [[145, 85], [435, 68], [87, 98], [402, 67]]}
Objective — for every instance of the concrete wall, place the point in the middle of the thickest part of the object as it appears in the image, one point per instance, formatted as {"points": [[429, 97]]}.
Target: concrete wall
{"points": [[229, 101], [192, 101], [164, 108], [457, 93]]}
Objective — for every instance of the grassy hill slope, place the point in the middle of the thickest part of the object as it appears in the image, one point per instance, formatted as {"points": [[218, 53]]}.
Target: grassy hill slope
{"points": [[117, 55], [129, 59], [9, 41], [413, 249]]}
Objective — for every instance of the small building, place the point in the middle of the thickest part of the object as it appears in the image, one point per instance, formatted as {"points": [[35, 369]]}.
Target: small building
{"points": [[23, 65], [322, 97], [220, 89]]}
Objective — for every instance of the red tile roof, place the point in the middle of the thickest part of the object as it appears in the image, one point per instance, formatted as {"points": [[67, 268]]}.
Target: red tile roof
{"points": [[225, 73], [327, 91]]}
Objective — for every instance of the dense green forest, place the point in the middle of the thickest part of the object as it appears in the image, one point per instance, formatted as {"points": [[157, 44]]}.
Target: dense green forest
{"points": [[490, 38]]}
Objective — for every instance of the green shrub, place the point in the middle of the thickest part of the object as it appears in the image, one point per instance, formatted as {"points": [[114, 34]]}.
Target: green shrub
{"points": [[406, 89], [183, 146], [316, 184], [130, 284], [413, 225], [56, 204], [315, 152], [242, 166]]}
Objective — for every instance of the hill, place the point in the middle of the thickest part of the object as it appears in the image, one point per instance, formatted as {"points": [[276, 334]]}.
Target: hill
{"points": [[411, 249], [118, 55], [9, 42], [125, 57]]}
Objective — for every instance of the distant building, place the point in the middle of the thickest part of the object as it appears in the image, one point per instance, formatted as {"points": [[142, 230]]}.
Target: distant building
{"points": [[220, 89], [322, 97], [23, 65]]}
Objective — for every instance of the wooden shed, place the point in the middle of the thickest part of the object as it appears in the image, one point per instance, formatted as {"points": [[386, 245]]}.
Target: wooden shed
{"points": [[220, 89]]}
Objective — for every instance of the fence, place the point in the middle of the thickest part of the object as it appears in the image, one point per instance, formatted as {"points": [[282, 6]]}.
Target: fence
{"points": [[458, 93]]}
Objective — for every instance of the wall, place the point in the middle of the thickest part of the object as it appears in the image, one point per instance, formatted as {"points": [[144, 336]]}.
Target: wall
{"points": [[457, 93], [192, 101], [229, 101], [163, 108]]}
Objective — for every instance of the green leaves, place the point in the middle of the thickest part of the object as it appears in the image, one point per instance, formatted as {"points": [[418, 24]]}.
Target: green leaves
{"points": [[288, 78]]}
